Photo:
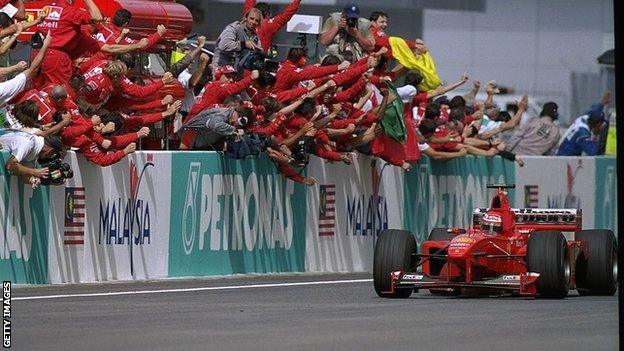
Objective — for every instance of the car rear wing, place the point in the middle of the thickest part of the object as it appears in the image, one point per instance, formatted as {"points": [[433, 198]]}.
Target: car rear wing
{"points": [[561, 219]]}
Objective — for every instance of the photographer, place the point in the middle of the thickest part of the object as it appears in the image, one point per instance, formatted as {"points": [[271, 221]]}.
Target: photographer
{"points": [[212, 126], [237, 37], [25, 150], [347, 35]]}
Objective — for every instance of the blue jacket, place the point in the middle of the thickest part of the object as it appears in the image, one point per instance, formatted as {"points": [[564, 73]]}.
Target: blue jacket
{"points": [[578, 138]]}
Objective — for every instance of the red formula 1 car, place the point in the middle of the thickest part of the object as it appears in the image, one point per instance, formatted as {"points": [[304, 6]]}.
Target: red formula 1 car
{"points": [[517, 251]]}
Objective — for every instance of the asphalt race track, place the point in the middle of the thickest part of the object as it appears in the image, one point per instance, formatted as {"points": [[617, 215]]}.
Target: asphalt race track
{"points": [[223, 314]]}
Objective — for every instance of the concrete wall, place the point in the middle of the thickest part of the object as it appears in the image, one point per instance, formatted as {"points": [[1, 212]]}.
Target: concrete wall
{"points": [[534, 46]]}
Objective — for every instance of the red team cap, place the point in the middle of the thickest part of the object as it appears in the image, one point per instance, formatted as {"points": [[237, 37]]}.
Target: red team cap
{"points": [[223, 70]]}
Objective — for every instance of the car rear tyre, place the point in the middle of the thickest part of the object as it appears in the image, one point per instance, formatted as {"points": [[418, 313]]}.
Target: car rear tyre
{"points": [[393, 252], [597, 274], [438, 234], [547, 254]]}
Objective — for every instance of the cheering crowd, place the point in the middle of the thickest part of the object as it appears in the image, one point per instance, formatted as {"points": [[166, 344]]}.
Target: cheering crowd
{"points": [[371, 93]]}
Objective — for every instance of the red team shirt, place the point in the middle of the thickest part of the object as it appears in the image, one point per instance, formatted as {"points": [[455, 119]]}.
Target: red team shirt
{"points": [[64, 22], [99, 88]]}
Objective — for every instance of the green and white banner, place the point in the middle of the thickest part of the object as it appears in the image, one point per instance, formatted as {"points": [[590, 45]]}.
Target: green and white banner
{"points": [[24, 220], [233, 217]]}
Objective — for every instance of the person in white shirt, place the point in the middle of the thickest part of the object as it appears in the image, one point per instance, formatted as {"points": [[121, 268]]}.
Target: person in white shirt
{"points": [[12, 87], [26, 149]]}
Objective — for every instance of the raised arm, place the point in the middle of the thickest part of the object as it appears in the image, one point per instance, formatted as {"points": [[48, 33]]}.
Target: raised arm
{"points": [[36, 63], [522, 105], [186, 61], [280, 20], [441, 90], [330, 29], [118, 49], [201, 68], [94, 11], [366, 41]]}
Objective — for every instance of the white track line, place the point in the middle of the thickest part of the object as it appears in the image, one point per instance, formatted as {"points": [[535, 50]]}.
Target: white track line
{"points": [[211, 288]]}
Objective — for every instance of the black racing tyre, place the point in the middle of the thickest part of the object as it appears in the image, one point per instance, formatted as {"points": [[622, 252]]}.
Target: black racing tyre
{"points": [[597, 274], [547, 254], [393, 252], [438, 234]]}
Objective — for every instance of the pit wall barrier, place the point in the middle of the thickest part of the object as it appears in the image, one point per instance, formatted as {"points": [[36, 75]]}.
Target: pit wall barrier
{"points": [[158, 215]]}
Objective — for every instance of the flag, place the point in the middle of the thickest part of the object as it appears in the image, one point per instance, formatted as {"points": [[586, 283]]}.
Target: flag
{"points": [[393, 123], [423, 63], [531, 196], [327, 210], [73, 230]]}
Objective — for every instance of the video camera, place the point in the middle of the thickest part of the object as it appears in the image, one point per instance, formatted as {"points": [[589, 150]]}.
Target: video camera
{"points": [[256, 60], [352, 22], [58, 172], [301, 151]]}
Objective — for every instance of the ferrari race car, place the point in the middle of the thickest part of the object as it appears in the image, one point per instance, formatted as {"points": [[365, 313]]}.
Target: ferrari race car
{"points": [[517, 251]]}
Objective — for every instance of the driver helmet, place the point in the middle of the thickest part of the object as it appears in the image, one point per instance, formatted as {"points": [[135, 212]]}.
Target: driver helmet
{"points": [[492, 224]]}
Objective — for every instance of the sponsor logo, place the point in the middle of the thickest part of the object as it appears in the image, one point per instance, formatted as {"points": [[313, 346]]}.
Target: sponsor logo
{"points": [[189, 215], [367, 214], [413, 277], [91, 86], [462, 239], [461, 242], [492, 218], [52, 13], [571, 199], [236, 212], [31, 15], [123, 220], [511, 277], [74, 224], [327, 210]]}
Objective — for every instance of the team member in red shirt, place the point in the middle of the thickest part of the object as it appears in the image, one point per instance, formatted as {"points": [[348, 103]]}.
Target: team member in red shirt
{"points": [[109, 78], [271, 25], [294, 70], [50, 101], [55, 101], [64, 20], [379, 24], [124, 123], [95, 154], [107, 34], [223, 86]]}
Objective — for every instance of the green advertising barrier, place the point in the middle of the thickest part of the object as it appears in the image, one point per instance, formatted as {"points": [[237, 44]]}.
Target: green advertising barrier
{"points": [[24, 223], [444, 193], [605, 210], [232, 216]]}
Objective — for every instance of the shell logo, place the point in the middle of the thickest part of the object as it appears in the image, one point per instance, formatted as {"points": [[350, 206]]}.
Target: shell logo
{"points": [[463, 240]]}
